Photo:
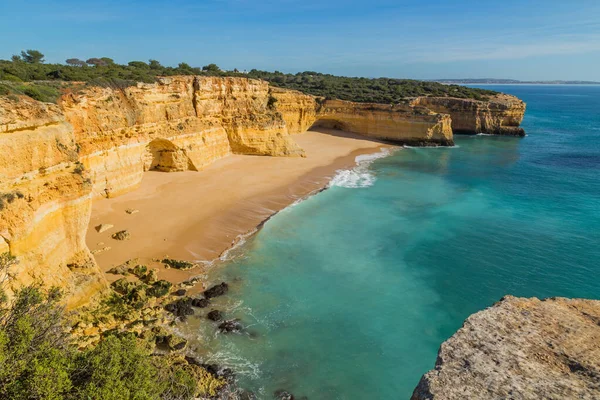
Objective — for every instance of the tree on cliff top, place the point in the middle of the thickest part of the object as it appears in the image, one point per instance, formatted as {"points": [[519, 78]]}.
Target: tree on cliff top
{"points": [[76, 62], [32, 56], [211, 68], [97, 62], [378, 90]]}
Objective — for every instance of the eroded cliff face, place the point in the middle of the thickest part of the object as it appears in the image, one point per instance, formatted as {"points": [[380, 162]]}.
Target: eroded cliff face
{"points": [[520, 349], [45, 200], [500, 115], [179, 123], [401, 124], [99, 141]]}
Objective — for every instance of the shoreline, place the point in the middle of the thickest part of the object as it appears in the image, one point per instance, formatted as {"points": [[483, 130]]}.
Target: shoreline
{"points": [[228, 209]]}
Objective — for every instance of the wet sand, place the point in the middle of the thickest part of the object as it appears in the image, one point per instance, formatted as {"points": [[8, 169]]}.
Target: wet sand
{"points": [[197, 216]]}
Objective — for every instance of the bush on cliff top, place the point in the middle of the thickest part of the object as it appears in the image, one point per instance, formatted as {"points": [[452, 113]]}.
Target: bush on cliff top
{"points": [[104, 71], [38, 360]]}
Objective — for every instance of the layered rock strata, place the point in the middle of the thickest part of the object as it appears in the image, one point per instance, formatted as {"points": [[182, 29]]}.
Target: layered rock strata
{"points": [[99, 141], [179, 123], [520, 349], [499, 115], [401, 124], [45, 200]]}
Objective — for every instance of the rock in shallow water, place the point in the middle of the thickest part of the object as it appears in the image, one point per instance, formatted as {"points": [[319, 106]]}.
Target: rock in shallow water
{"points": [[215, 315], [217, 290], [283, 395], [200, 303], [230, 326], [520, 349]]}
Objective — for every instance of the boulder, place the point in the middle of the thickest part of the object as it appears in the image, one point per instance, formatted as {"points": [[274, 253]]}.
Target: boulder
{"points": [[103, 227], [181, 307], [121, 235], [230, 326], [283, 395], [200, 303], [217, 290], [215, 315]]}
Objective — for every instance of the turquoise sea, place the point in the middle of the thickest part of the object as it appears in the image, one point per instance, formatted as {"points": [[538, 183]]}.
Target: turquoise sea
{"points": [[349, 294]]}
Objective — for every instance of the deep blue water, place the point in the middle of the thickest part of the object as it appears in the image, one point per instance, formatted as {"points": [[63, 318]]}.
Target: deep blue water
{"points": [[349, 294]]}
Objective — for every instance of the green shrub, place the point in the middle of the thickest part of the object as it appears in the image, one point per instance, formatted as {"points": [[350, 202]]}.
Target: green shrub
{"points": [[117, 368], [38, 360], [105, 72]]}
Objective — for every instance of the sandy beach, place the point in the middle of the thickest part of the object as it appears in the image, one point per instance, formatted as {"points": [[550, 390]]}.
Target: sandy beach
{"points": [[196, 216]]}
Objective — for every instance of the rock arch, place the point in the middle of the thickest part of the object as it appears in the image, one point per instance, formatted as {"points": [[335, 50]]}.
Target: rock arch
{"points": [[163, 155]]}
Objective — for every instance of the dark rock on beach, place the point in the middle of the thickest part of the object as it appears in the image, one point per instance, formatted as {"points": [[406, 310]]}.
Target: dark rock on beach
{"points": [[215, 315], [121, 235], [217, 290], [200, 303], [230, 326]]}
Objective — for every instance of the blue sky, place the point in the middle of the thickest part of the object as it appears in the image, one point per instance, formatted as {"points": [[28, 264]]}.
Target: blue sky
{"points": [[413, 39]]}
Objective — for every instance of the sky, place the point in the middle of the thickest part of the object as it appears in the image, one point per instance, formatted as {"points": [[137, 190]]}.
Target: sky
{"points": [[434, 39]]}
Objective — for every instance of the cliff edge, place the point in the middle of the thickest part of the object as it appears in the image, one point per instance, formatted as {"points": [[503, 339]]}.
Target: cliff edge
{"points": [[520, 349], [99, 141], [499, 115]]}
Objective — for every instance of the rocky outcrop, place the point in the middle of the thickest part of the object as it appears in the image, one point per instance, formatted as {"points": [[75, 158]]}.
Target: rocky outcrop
{"points": [[45, 200], [401, 124], [520, 349], [500, 115]]}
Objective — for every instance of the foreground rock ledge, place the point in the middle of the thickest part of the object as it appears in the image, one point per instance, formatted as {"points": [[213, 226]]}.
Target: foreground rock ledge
{"points": [[521, 349]]}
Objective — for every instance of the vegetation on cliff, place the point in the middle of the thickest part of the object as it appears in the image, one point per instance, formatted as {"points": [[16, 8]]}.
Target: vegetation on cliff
{"points": [[39, 360], [17, 75]]}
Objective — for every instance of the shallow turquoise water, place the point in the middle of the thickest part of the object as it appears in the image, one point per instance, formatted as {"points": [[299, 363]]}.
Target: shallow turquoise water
{"points": [[349, 294]]}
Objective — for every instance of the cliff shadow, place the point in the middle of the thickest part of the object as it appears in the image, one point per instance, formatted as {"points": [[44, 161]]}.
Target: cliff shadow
{"points": [[334, 127]]}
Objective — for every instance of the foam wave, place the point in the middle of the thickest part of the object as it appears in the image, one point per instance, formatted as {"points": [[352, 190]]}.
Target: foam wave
{"points": [[359, 176], [431, 147]]}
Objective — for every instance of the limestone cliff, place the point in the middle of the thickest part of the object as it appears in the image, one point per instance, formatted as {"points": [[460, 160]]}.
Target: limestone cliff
{"points": [[500, 115], [98, 141], [520, 349], [402, 124], [178, 123], [45, 199]]}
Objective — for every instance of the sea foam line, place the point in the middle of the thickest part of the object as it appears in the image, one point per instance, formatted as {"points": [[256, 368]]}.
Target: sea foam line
{"points": [[360, 176]]}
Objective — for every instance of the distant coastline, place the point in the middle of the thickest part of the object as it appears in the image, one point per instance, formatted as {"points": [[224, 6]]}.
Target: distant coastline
{"points": [[490, 81]]}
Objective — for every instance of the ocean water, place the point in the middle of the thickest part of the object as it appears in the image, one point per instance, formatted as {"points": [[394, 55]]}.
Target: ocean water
{"points": [[349, 294]]}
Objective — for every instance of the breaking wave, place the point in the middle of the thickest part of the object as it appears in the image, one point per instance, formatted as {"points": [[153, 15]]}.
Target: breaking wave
{"points": [[360, 176]]}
